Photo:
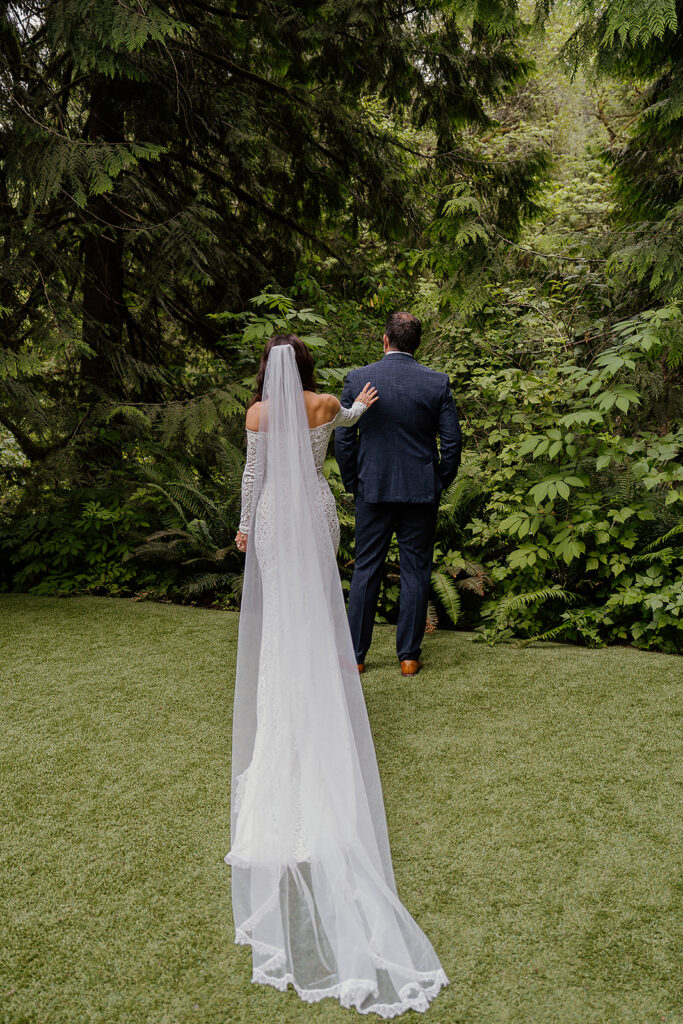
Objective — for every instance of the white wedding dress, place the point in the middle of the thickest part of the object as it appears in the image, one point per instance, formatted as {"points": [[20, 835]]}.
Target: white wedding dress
{"points": [[320, 439], [312, 881]]}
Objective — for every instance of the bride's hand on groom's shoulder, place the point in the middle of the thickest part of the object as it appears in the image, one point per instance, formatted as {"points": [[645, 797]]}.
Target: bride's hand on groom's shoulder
{"points": [[368, 395], [241, 540]]}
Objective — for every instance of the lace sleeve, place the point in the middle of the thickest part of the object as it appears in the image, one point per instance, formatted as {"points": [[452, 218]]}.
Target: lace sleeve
{"points": [[248, 481], [347, 417]]}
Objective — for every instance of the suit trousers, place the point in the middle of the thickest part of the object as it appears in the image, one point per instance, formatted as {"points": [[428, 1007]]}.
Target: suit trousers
{"points": [[414, 525]]}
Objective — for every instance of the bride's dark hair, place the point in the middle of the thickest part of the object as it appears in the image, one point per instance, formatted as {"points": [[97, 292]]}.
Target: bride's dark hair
{"points": [[304, 362]]}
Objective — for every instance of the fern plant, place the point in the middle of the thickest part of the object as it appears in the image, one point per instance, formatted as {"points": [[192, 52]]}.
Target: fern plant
{"points": [[198, 535]]}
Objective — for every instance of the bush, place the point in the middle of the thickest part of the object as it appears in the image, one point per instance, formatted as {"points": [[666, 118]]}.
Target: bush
{"points": [[580, 526], [78, 547]]}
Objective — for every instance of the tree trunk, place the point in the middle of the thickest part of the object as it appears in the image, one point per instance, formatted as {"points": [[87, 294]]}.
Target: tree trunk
{"points": [[103, 305]]}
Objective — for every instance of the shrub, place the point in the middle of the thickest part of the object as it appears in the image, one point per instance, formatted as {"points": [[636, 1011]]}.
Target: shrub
{"points": [[579, 528]]}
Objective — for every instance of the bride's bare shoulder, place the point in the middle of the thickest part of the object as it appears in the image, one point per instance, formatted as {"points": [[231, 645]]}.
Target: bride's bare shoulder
{"points": [[321, 408], [253, 416]]}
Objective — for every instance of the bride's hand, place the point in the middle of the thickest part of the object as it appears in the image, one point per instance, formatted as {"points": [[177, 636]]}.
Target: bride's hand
{"points": [[241, 540], [368, 395]]}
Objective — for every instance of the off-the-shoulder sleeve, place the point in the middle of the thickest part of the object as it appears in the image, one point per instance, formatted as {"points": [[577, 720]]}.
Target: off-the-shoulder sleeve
{"points": [[248, 481], [347, 417]]}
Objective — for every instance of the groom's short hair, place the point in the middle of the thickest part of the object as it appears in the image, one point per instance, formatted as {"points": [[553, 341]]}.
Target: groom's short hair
{"points": [[404, 331]]}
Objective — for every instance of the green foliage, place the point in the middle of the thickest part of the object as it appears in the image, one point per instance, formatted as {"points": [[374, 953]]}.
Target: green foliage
{"points": [[565, 370], [638, 43], [447, 593], [78, 549], [11, 455], [159, 166], [196, 544], [651, 254], [578, 496]]}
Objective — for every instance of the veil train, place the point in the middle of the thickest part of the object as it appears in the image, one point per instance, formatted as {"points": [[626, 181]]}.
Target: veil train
{"points": [[313, 888]]}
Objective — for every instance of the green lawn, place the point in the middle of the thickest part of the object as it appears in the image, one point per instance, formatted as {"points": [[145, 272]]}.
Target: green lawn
{"points": [[531, 795]]}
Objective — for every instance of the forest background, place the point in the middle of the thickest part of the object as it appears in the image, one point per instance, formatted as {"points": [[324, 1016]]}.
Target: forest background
{"points": [[178, 181]]}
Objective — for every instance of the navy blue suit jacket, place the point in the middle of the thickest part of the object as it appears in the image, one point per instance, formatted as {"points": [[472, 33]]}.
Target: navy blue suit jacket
{"points": [[391, 454]]}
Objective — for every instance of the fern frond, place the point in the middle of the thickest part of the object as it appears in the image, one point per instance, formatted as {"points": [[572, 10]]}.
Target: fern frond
{"points": [[171, 501], [549, 634], [212, 581], [516, 601], [674, 532], [473, 583], [165, 534], [447, 593], [651, 556], [170, 551]]}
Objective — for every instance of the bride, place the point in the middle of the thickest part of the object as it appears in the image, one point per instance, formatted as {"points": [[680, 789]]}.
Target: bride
{"points": [[313, 888]]}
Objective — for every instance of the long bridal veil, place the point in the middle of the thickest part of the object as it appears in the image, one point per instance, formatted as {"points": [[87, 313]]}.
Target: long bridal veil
{"points": [[313, 888]]}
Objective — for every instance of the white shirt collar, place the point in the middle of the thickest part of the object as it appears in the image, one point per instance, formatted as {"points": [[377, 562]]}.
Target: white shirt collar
{"points": [[395, 352]]}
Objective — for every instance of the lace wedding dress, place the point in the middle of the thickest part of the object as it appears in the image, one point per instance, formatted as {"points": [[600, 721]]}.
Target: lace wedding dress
{"points": [[312, 881], [320, 439]]}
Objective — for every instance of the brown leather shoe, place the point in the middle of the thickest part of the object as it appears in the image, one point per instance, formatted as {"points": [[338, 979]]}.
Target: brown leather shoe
{"points": [[361, 668], [410, 668]]}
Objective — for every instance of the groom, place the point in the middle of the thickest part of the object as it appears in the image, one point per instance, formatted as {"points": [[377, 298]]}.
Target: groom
{"points": [[390, 461]]}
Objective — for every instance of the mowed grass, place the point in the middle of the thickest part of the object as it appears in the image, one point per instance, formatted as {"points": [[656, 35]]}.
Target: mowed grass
{"points": [[532, 797]]}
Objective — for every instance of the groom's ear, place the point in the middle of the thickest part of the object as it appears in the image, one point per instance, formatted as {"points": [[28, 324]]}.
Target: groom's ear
{"points": [[385, 341]]}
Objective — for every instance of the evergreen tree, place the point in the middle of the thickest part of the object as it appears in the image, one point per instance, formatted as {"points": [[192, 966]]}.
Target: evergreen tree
{"points": [[640, 42], [165, 161]]}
